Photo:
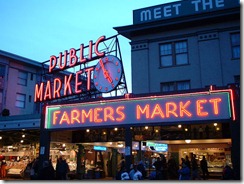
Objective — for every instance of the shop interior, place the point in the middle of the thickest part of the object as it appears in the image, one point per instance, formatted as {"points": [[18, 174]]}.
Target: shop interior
{"points": [[100, 146]]}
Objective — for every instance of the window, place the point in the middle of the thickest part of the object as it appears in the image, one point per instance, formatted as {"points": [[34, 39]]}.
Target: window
{"points": [[32, 75], [173, 54], [22, 78], [175, 86], [2, 70], [235, 45], [20, 100]]}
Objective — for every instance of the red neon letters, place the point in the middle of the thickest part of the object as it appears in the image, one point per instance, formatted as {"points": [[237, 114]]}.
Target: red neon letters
{"points": [[94, 115], [139, 112], [55, 89], [62, 61]]}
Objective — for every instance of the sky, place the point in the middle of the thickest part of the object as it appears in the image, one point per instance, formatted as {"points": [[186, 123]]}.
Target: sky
{"points": [[38, 29]]}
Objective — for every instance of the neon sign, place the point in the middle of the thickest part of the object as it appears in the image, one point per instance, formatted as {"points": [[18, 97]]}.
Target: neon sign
{"points": [[157, 109], [50, 90], [100, 148]]}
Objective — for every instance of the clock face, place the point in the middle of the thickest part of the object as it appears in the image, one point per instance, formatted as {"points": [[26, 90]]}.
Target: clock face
{"points": [[107, 73]]}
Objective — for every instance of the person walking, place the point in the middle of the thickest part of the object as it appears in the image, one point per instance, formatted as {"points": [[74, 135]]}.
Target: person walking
{"points": [[184, 172], [194, 165], [138, 174], [204, 168], [172, 169], [3, 169], [47, 172], [158, 167], [62, 169]]}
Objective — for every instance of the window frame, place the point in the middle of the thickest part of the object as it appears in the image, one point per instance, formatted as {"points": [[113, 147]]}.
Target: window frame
{"points": [[19, 101], [175, 85], [174, 53], [234, 45], [22, 78]]}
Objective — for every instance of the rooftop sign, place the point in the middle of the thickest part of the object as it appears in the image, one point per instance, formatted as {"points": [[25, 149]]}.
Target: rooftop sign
{"points": [[214, 105], [181, 8]]}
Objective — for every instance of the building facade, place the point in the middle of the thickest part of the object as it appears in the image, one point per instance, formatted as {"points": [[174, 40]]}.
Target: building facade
{"points": [[18, 78], [183, 46], [190, 50]]}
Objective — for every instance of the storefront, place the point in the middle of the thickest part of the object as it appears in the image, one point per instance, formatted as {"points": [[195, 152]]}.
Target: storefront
{"points": [[94, 136]]}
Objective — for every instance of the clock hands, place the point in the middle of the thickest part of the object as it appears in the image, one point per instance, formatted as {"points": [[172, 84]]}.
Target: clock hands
{"points": [[105, 72]]}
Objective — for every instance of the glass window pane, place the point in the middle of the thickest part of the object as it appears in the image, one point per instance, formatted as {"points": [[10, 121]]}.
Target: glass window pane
{"points": [[20, 97], [22, 82], [20, 100], [183, 85], [2, 70], [236, 52], [19, 104], [22, 75], [22, 78], [166, 61], [235, 39], [181, 59], [180, 47], [167, 87], [166, 49]]}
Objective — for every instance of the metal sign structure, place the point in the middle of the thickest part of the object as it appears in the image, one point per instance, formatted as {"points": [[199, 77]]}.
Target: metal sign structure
{"points": [[69, 75]]}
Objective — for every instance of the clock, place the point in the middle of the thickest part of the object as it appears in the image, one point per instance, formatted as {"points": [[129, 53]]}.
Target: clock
{"points": [[107, 73]]}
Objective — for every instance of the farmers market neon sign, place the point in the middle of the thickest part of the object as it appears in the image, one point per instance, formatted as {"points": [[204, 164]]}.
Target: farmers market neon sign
{"points": [[199, 106]]}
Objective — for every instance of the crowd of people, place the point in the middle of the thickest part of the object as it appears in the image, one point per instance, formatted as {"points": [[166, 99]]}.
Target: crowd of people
{"points": [[186, 170], [46, 171]]}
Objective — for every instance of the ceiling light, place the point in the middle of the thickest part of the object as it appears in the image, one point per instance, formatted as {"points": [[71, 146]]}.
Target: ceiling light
{"points": [[188, 141], [179, 126]]}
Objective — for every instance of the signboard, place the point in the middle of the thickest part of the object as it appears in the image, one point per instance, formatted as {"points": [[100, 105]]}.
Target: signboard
{"points": [[181, 8], [214, 105], [100, 148], [157, 146]]}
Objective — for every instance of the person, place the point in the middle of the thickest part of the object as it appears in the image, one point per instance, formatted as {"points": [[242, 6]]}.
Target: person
{"points": [[62, 169], [164, 168], [194, 167], [3, 169], [158, 165], [138, 174], [172, 168], [124, 175], [121, 163], [184, 172], [142, 169], [47, 172], [34, 172], [228, 173], [132, 171], [204, 168], [188, 162]]}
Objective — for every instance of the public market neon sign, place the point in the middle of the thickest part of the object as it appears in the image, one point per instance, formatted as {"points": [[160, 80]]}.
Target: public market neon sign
{"points": [[217, 105], [57, 88]]}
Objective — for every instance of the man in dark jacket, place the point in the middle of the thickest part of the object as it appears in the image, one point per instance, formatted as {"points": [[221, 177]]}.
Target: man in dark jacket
{"points": [[204, 167]]}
